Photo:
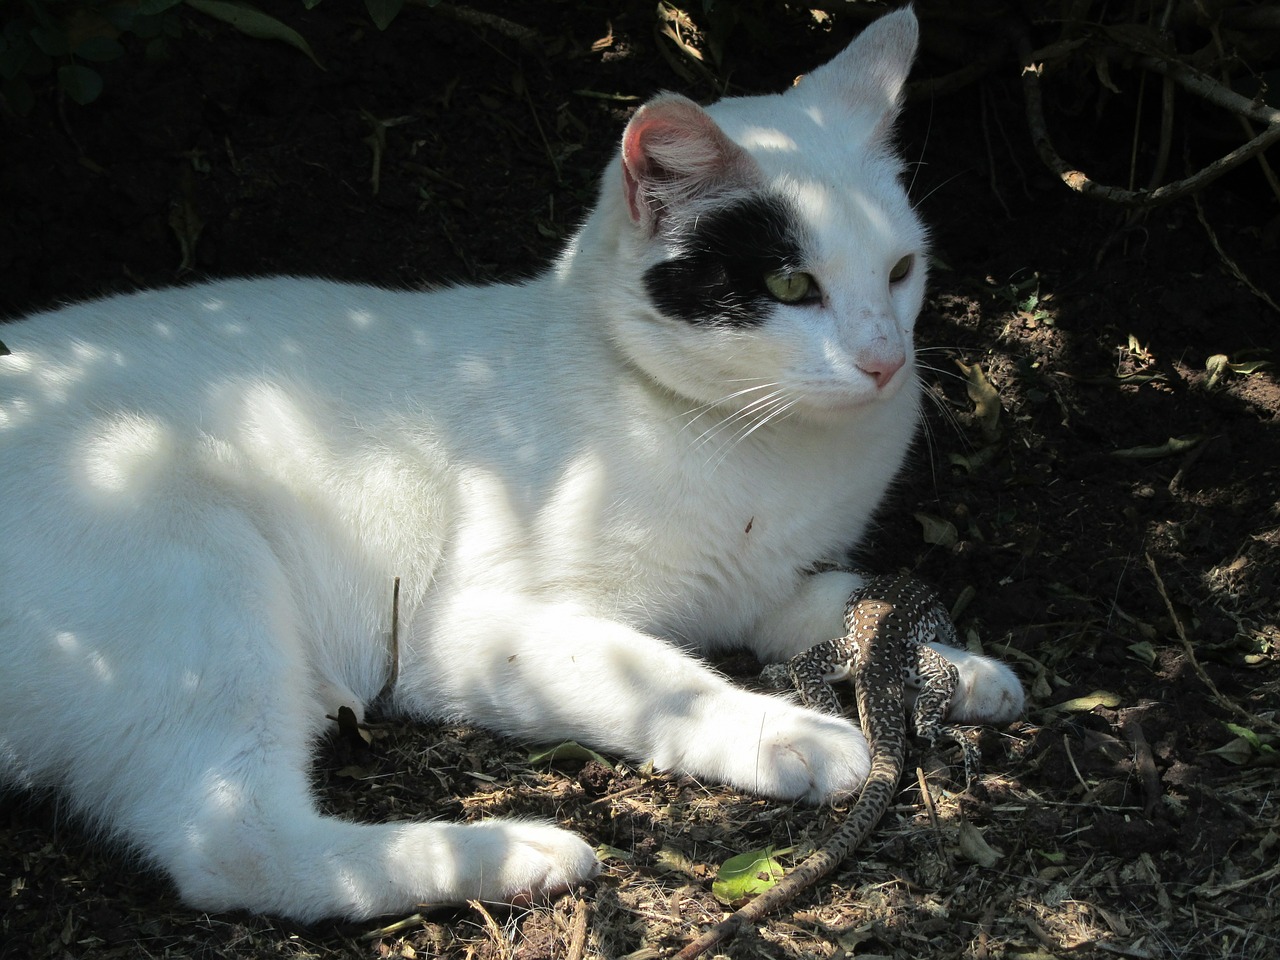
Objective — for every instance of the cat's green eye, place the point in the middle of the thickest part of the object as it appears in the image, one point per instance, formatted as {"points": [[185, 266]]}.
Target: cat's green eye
{"points": [[901, 268], [788, 287]]}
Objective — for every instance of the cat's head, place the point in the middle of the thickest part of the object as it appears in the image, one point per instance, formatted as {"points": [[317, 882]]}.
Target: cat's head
{"points": [[771, 256]]}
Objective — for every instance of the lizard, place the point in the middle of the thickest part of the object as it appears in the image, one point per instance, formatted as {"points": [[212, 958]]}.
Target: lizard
{"points": [[888, 623]]}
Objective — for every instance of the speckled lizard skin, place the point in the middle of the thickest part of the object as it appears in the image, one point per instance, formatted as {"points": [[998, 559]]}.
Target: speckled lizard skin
{"points": [[889, 622]]}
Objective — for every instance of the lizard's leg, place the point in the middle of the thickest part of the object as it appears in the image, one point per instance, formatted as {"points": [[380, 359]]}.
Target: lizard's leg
{"points": [[939, 680]]}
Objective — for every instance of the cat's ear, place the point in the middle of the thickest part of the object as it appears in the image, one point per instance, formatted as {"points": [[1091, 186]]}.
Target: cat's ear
{"points": [[870, 73], [672, 152]]}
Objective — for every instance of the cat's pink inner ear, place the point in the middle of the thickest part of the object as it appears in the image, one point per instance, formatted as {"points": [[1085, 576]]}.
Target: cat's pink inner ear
{"points": [[672, 152]]}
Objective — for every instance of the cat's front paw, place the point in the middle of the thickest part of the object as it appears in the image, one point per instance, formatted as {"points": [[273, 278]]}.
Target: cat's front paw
{"points": [[988, 691], [770, 746]]}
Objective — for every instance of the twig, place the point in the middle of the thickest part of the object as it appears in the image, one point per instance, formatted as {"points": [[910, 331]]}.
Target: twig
{"points": [[1066, 745], [1143, 760], [1166, 134], [1245, 125], [478, 18], [393, 645], [958, 79], [1240, 884], [394, 928], [1230, 264], [1194, 81], [927, 797], [578, 938], [1207, 88], [491, 927], [931, 809], [1229, 705], [625, 791]]}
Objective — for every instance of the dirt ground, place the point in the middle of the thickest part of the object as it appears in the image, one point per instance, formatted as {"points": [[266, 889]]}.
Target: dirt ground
{"points": [[1097, 498]]}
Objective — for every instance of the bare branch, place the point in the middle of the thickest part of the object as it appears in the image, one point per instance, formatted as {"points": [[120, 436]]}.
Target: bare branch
{"points": [[1193, 80], [1206, 87]]}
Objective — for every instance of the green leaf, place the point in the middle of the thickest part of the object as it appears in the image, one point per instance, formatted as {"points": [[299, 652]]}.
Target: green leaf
{"points": [[151, 7], [99, 49], [1219, 365], [1259, 742], [82, 84], [1144, 651], [1215, 367], [1238, 751], [1249, 366], [939, 532], [382, 12], [746, 875], [13, 57], [17, 93], [1099, 698], [1170, 448], [607, 852], [252, 22], [974, 847], [567, 751], [974, 462], [985, 397], [51, 40]]}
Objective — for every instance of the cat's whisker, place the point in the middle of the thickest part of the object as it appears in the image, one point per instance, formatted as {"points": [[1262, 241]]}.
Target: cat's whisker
{"points": [[718, 424], [704, 408], [732, 423], [916, 204], [745, 411], [750, 410], [946, 414], [777, 408]]}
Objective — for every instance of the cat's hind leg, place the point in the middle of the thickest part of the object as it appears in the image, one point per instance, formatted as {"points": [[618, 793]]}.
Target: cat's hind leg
{"points": [[988, 691], [253, 839], [189, 732], [221, 801]]}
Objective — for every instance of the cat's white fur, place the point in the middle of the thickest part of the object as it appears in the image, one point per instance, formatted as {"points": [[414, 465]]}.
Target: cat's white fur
{"points": [[205, 494]]}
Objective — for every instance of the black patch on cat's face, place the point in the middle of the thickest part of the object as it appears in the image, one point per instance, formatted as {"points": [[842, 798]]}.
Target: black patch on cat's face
{"points": [[717, 275]]}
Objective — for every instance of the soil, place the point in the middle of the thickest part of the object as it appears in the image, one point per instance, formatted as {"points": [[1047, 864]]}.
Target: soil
{"points": [[1099, 506]]}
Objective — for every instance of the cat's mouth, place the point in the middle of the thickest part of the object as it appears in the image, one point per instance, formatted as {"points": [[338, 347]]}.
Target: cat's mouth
{"points": [[827, 402]]}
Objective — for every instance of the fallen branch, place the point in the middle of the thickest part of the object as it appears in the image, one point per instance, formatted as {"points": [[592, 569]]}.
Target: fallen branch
{"points": [[1198, 83], [1207, 88]]}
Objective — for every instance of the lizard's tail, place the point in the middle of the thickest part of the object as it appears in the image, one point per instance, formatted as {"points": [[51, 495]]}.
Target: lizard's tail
{"points": [[874, 799]]}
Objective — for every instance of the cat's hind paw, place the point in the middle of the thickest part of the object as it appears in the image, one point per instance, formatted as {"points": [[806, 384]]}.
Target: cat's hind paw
{"points": [[534, 861], [988, 691]]}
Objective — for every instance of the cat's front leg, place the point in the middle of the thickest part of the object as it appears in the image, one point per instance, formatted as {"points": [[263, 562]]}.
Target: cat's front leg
{"points": [[989, 692], [544, 672], [814, 613]]}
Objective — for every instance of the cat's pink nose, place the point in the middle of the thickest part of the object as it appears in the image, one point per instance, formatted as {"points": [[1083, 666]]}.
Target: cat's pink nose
{"points": [[882, 368]]}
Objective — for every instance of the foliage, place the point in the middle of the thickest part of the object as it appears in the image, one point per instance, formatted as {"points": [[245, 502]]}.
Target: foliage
{"points": [[65, 38], [746, 875]]}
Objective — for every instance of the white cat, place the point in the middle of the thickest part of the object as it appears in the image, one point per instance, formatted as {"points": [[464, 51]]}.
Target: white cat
{"points": [[205, 494]]}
